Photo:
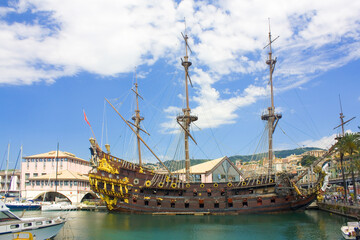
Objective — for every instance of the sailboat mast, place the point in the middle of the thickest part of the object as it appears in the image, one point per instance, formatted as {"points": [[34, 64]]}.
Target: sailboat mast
{"points": [[137, 118], [21, 155], [186, 118], [56, 170], [6, 171], [271, 118]]}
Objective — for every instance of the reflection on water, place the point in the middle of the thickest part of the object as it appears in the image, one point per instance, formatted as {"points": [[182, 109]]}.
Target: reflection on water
{"points": [[100, 225]]}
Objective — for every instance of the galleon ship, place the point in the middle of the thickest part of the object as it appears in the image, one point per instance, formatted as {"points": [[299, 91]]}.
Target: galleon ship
{"points": [[132, 187]]}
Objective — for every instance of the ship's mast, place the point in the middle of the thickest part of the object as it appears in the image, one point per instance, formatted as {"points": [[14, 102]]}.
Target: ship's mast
{"points": [[342, 121], [137, 119], [186, 119], [271, 117]]}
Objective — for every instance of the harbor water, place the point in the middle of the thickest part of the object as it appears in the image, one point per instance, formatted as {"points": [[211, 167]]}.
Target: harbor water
{"points": [[309, 224]]}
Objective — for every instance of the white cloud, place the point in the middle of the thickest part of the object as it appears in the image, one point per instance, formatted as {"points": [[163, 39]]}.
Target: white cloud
{"points": [[63, 37], [106, 39], [325, 142]]}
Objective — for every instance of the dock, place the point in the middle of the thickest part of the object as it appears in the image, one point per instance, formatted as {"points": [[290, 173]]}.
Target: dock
{"points": [[181, 213], [343, 209], [94, 208]]}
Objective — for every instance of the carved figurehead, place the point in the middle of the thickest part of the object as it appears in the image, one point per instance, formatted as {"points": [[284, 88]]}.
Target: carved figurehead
{"points": [[94, 160]]}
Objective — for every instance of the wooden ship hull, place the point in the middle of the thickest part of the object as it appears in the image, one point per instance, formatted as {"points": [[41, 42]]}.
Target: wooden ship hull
{"points": [[126, 187]]}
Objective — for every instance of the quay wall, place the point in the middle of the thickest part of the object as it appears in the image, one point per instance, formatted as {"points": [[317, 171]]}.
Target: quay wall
{"points": [[351, 211]]}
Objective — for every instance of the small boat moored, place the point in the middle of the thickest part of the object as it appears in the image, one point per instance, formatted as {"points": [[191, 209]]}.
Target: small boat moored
{"points": [[40, 228], [59, 206], [20, 206], [351, 230]]}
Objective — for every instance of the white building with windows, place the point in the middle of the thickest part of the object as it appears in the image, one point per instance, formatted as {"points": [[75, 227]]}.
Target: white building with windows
{"points": [[217, 170], [55, 174]]}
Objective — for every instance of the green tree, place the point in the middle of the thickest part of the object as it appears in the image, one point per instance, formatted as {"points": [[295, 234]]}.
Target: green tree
{"points": [[350, 144], [307, 160]]}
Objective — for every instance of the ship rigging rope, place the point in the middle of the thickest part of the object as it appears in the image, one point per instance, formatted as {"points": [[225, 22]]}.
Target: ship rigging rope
{"points": [[217, 144], [313, 129], [290, 137], [205, 142], [284, 121], [197, 145], [260, 141], [311, 120], [209, 110], [104, 127]]}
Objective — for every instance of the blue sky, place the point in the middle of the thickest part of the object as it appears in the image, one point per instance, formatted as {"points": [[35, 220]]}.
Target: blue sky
{"points": [[58, 58]]}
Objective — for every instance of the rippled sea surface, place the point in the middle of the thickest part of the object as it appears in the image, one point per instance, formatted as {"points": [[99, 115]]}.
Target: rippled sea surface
{"points": [[309, 224]]}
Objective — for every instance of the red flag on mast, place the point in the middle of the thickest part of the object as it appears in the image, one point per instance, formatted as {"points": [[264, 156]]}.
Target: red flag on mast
{"points": [[86, 118]]}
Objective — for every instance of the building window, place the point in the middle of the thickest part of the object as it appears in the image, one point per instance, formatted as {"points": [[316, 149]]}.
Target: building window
{"points": [[66, 183], [197, 178], [35, 175], [27, 175], [37, 183]]}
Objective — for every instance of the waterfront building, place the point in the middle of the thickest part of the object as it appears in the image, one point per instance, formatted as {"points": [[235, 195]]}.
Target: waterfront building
{"points": [[10, 182], [55, 173]]}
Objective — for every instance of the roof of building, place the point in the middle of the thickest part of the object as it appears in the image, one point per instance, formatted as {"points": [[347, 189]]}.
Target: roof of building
{"points": [[206, 167], [54, 154], [62, 175]]}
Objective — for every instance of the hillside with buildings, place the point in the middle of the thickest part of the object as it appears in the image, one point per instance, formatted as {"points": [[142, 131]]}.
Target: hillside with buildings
{"points": [[278, 154], [239, 159]]}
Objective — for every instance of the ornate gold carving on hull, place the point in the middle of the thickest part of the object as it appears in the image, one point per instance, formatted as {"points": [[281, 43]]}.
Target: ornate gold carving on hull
{"points": [[105, 166], [110, 203], [106, 194]]}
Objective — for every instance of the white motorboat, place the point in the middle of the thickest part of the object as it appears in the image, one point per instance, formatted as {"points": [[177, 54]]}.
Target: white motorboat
{"points": [[40, 228], [349, 231], [59, 206]]}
